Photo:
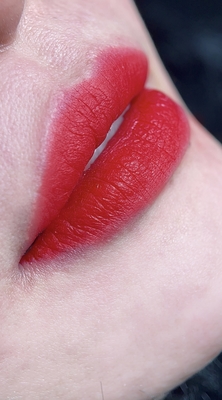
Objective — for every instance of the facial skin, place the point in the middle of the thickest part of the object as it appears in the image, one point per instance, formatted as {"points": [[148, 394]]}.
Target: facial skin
{"points": [[10, 13], [129, 320]]}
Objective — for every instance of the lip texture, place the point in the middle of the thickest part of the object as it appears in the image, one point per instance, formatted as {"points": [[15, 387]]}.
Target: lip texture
{"points": [[83, 209]]}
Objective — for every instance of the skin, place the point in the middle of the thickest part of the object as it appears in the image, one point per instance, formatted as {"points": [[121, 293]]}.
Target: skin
{"points": [[10, 13], [134, 318]]}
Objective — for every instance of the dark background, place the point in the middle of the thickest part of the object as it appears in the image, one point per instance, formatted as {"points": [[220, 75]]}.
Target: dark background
{"points": [[188, 36]]}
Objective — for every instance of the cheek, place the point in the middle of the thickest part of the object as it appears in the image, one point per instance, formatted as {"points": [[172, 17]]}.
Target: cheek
{"points": [[23, 90]]}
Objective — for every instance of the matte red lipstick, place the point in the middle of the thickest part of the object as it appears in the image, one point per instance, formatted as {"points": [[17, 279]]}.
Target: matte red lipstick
{"points": [[82, 118], [130, 172]]}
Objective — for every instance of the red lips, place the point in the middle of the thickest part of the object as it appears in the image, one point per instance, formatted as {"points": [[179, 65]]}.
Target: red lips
{"points": [[127, 176]]}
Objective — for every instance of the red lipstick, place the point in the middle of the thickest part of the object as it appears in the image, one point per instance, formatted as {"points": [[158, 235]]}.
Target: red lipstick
{"points": [[128, 175], [82, 118]]}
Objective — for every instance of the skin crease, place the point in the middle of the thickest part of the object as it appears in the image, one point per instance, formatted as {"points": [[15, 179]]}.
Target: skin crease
{"points": [[10, 13], [141, 314]]}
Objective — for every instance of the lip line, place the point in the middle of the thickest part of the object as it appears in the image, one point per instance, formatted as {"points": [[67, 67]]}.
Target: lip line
{"points": [[115, 64], [133, 55]]}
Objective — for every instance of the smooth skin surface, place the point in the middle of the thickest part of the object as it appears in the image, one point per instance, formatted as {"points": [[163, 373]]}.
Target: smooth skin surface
{"points": [[132, 319]]}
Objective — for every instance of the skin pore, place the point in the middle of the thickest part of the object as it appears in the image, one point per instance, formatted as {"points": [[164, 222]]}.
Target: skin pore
{"points": [[135, 317]]}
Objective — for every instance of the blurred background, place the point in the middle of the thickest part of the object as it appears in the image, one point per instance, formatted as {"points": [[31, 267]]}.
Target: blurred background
{"points": [[188, 36]]}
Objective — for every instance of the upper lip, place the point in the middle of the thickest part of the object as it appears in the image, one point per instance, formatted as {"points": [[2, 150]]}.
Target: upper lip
{"points": [[82, 119]]}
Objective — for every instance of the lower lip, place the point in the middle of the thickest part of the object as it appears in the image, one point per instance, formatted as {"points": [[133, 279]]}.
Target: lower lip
{"points": [[126, 178]]}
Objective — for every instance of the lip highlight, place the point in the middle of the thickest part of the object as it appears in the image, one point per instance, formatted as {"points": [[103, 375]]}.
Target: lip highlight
{"points": [[77, 209]]}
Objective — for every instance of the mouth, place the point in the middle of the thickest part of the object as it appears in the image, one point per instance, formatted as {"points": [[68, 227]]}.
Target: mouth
{"points": [[86, 199]]}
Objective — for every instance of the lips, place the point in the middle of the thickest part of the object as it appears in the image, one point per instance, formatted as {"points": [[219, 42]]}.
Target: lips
{"points": [[77, 209]]}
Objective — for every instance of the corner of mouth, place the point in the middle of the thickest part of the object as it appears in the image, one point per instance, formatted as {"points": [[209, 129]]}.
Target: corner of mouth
{"points": [[85, 207]]}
